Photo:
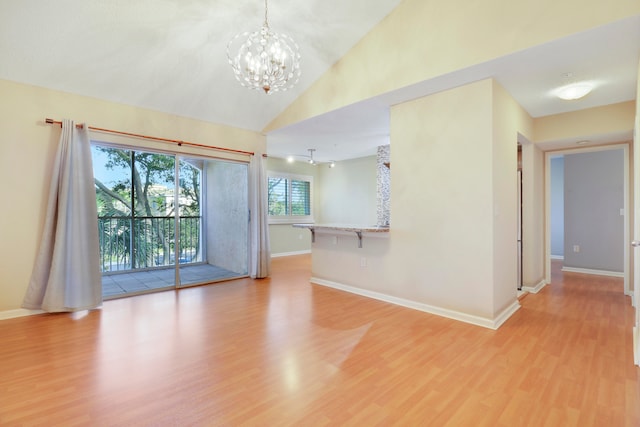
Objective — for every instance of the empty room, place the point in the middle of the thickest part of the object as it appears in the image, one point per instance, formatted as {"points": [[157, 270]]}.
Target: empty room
{"points": [[277, 213]]}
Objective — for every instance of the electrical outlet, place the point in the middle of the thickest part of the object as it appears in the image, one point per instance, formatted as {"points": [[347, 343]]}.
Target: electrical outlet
{"points": [[576, 248], [363, 262]]}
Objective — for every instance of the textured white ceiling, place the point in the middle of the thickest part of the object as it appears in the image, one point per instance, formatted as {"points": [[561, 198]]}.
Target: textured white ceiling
{"points": [[170, 56]]}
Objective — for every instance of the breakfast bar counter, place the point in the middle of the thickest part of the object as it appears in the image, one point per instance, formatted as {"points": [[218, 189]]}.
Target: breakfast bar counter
{"points": [[343, 228]]}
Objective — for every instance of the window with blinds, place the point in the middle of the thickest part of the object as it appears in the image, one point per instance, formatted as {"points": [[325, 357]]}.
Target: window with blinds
{"points": [[290, 197], [300, 197]]}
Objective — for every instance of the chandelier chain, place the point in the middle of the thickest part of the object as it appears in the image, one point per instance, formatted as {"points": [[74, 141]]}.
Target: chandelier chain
{"points": [[266, 11]]}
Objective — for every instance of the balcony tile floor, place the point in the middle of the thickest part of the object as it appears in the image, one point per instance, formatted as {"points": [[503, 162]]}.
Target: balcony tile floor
{"points": [[116, 285]]}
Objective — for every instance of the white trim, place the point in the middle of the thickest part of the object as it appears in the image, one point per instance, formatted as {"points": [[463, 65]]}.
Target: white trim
{"points": [[283, 254], [20, 312], [633, 300], [561, 257], [595, 272], [636, 345], [438, 311], [537, 288]]}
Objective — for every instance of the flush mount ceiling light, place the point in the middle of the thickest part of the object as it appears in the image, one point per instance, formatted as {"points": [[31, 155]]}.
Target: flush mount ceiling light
{"points": [[265, 60], [574, 91], [573, 88]]}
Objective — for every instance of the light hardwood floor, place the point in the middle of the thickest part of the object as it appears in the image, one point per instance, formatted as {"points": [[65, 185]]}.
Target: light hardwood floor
{"points": [[281, 352]]}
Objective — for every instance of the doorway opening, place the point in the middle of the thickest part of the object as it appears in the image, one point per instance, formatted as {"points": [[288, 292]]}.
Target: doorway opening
{"points": [[588, 211]]}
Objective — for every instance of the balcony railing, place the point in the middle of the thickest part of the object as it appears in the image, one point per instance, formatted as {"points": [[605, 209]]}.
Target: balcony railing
{"points": [[147, 242]]}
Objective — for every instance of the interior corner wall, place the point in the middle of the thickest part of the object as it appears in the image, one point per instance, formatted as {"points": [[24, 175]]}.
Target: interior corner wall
{"points": [[509, 120], [441, 249], [533, 215], [27, 153]]}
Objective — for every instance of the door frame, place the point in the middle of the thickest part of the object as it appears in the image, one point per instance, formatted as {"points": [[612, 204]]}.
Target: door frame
{"points": [[627, 208]]}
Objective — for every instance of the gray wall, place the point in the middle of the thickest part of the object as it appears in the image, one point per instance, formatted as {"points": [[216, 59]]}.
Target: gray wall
{"points": [[227, 215], [557, 206], [593, 197]]}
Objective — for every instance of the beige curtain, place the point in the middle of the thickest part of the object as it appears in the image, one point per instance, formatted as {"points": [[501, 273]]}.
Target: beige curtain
{"points": [[260, 254], [66, 275]]}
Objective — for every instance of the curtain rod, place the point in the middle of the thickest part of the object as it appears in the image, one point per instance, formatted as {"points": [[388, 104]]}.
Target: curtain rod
{"points": [[156, 138]]}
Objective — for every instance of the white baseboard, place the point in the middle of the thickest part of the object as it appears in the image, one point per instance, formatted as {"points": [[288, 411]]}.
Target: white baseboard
{"points": [[556, 257], [438, 311], [535, 289], [20, 312], [595, 272], [281, 254]]}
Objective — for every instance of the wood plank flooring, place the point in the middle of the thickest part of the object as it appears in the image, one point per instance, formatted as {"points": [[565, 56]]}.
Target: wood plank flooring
{"points": [[281, 352]]}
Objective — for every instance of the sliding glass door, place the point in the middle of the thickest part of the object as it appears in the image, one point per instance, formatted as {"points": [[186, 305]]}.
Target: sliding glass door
{"points": [[222, 250], [148, 241]]}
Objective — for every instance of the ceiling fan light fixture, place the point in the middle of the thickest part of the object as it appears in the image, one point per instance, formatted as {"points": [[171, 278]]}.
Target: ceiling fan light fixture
{"points": [[265, 60], [574, 91]]}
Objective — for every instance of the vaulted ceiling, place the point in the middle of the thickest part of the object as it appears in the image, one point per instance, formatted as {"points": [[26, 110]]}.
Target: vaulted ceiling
{"points": [[170, 56]]}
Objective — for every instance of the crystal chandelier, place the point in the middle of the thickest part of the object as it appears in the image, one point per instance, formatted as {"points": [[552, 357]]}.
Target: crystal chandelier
{"points": [[266, 60]]}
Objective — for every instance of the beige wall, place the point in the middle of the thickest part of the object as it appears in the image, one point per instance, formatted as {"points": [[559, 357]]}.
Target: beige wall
{"points": [[347, 193], [452, 243], [27, 149], [344, 194], [287, 240], [423, 39], [442, 228], [615, 119]]}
